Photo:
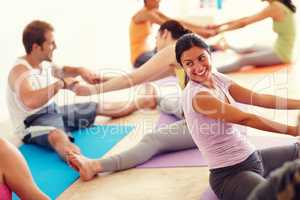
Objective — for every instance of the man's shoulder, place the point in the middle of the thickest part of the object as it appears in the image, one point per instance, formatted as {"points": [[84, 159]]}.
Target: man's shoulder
{"points": [[17, 71], [19, 68]]}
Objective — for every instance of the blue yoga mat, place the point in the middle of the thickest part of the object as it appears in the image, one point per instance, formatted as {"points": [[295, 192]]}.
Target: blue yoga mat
{"points": [[53, 175]]}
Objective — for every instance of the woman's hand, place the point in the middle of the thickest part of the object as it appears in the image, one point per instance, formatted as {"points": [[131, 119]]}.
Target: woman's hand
{"points": [[84, 90]]}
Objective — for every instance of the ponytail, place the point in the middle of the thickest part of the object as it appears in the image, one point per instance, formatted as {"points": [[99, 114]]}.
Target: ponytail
{"points": [[175, 28], [289, 4]]}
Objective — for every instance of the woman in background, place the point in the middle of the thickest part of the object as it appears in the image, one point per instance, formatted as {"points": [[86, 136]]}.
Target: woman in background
{"points": [[140, 28], [282, 13]]}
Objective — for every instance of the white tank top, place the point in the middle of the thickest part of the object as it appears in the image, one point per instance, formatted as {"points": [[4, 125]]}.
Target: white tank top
{"points": [[38, 78]]}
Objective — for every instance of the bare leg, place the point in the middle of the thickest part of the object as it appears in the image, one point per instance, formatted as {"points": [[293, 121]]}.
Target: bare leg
{"points": [[64, 147], [61, 144], [145, 99], [16, 174]]}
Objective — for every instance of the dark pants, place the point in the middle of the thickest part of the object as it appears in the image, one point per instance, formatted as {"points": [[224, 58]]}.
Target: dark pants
{"points": [[282, 184], [65, 118], [238, 181], [143, 58]]}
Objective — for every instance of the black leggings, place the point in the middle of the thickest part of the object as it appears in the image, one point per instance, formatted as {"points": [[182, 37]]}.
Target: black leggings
{"points": [[143, 58], [236, 182]]}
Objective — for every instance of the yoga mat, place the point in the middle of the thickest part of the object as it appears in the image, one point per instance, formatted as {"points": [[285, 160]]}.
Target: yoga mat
{"points": [[53, 175], [264, 70], [185, 158], [209, 194], [165, 119], [193, 157]]}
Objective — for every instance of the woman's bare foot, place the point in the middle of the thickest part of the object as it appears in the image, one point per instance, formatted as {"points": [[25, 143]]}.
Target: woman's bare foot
{"points": [[87, 168], [147, 98]]}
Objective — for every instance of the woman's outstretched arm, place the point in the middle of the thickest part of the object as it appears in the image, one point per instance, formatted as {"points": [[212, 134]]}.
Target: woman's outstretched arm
{"points": [[208, 105], [159, 66], [246, 96], [270, 11]]}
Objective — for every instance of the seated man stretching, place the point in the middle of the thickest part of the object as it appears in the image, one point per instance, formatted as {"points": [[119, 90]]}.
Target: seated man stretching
{"points": [[30, 95]]}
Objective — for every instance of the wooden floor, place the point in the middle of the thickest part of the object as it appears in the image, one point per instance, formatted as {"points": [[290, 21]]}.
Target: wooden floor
{"points": [[176, 183], [137, 184]]}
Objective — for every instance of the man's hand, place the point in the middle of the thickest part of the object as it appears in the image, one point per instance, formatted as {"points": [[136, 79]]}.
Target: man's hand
{"points": [[70, 83], [89, 76], [84, 90]]}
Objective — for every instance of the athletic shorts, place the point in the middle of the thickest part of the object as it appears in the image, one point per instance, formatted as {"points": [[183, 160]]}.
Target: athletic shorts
{"points": [[66, 118]]}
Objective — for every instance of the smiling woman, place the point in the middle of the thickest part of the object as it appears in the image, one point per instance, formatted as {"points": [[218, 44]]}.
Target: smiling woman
{"points": [[212, 99], [188, 54]]}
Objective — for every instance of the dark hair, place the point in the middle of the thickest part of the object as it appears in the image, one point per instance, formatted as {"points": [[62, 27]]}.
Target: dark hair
{"points": [[175, 28], [289, 4], [34, 33], [188, 41]]}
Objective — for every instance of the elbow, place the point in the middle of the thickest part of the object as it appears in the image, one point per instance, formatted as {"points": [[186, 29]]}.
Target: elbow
{"points": [[243, 23], [245, 120], [29, 104]]}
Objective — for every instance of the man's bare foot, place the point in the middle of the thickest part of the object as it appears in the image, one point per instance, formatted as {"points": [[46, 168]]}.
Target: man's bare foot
{"points": [[87, 168], [147, 98]]}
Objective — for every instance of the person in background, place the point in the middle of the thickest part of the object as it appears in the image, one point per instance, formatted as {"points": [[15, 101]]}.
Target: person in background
{"points": [[141, 26], [282, 13]]}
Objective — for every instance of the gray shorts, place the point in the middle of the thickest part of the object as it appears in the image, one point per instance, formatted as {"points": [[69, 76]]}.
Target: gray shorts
{"points": [[65, 118]]}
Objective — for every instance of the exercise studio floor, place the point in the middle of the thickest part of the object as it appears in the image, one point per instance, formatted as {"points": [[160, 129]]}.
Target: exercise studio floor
{"points": [[95, 35], [181, 183]]}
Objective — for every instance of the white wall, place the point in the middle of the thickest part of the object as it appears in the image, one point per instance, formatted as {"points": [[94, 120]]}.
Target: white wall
{"points": [[89, 33]]}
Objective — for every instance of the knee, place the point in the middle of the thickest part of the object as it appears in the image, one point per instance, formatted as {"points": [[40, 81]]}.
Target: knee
{"points": [[3, 145], [148, 139], [55, 135], [152, 141], [2, 142]]}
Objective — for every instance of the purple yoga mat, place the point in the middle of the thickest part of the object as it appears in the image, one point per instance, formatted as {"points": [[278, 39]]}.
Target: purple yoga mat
{"points": [[193, 157], [208, 194], [165, 119], [186, 158]]}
